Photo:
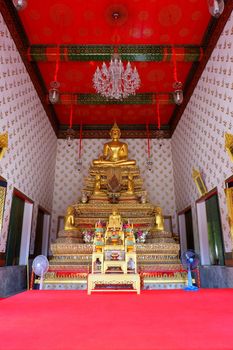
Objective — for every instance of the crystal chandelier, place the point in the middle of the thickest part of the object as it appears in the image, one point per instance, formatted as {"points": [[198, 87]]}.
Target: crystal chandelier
{"points": [[116, 81]]}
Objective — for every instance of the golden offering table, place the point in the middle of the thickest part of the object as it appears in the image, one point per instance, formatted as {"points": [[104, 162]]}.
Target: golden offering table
{"points": [[114, 266], [105, 282]]}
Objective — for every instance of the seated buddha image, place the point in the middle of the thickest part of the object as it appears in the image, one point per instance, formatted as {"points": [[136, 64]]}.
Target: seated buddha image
{"points": [[159, 219], [115, 220], [115, 152], [69, 223]]}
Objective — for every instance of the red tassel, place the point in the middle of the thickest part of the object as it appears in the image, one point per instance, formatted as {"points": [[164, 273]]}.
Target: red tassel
{"points": [[148, 140], [174, 64], [158, 116], [71, 116], [80, 140], [57, 64]]}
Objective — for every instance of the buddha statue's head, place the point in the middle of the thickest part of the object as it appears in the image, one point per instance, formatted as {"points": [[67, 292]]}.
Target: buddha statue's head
{"points": [[115, 132], [69, 210]]}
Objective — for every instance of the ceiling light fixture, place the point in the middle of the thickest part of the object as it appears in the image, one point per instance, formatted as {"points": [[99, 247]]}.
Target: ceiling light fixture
{"points": [[115, 81], [54, 92], [216, 7], [178, 93], [70, 133], [20, 4]]}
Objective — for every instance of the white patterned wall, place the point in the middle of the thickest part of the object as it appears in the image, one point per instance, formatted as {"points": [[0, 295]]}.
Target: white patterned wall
{"points": [[198, 140], [29, 162], [69, 182]]}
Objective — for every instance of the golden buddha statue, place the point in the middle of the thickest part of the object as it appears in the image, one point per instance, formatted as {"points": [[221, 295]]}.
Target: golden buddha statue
{"points": [[97, 184], [69, 219], [130, 189], [115, 152], [115, 220], [159, 219]]}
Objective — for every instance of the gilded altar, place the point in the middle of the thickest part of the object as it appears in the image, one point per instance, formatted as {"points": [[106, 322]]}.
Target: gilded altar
{"points": [[113, 190], [114, 260]]}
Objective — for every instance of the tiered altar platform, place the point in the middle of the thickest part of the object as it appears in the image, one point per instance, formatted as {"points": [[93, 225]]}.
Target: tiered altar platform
{"points": [[113, 185]]}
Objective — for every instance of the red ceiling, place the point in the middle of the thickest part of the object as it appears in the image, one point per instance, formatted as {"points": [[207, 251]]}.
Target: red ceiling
{"points": [[122, 114], [155, 22], [90, 22]]}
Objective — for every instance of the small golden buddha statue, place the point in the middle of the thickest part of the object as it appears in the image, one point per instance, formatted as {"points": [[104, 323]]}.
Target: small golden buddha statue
{"points": [[97, 184], [115, 220], [130, 189], [115, 152], [69, 219], [159, 220]]}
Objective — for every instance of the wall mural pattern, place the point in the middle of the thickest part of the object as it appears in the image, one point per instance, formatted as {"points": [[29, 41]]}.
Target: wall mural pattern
{"points": [[69, 181], [198, 141], [29, 162]]}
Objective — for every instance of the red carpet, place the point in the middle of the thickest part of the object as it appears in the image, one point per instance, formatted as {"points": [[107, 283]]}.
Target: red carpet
{"points": [[154, 320]]}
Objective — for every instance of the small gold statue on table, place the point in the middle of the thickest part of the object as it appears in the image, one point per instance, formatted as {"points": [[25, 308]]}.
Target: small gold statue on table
{"points": [[115, 220]]}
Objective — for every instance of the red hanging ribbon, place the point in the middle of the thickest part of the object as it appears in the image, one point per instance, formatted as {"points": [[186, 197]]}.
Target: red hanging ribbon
{"points": [[158, 115], [57, 64], [71, 116], [148, 139], [80, 140], [174, 64]]}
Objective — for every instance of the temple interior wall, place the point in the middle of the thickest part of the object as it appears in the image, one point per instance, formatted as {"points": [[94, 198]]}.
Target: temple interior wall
{"points": [[198, 141], [69, 181], [29, 163]]}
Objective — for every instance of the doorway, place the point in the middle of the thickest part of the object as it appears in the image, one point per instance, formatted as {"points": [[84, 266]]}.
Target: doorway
{"points": [[189, 229], [215, 239], [210, 230], [15, 231], [185, 221], [42, 233], [19, 230]]}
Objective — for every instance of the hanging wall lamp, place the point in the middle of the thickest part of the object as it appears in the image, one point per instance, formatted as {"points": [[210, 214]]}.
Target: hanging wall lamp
{"points": [[178, 92], [20, 4], [216, 7], [70, 133], [54, 91]]}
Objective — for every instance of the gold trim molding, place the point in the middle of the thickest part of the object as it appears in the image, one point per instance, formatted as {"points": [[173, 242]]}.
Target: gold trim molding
{"points": [[229, 200], [197, 177], [229, 145], [3, 144]]}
